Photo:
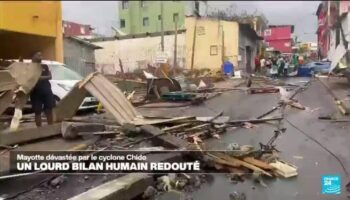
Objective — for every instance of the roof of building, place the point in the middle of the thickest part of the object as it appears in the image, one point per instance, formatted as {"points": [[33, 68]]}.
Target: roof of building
{"points": [[140, 35], [277, 26], [70, 22], [83, 42]]}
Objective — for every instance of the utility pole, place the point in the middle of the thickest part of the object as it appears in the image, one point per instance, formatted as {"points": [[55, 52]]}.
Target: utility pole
{"points": [[162, 24], [193, 44], [328, 13], [223, 44], [175, 45]]}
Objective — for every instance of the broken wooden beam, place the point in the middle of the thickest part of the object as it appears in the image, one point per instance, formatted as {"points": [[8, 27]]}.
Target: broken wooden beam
{"points": [[263, 90], [255, 120], [258, 163], [238, 162], [69, 105], [176, 127], [162, 139], [71, 130], [29, 134]]}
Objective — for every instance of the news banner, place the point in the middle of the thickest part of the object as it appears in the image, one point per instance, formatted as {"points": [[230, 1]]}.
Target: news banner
{"points": [[102, 162]]}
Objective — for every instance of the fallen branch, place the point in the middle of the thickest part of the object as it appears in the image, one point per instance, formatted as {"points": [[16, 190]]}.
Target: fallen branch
{"points": [[255, 120]]}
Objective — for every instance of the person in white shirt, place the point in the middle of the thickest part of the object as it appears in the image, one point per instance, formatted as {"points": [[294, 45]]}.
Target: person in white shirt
{"points": [[262, 64]]}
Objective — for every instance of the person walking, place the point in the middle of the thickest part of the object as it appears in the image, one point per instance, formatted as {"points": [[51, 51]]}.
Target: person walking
{"points": [[41, 97]]}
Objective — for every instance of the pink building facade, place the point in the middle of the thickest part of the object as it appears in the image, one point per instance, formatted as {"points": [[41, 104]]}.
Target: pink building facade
{"points": [[328, 13], [75, 29], [279, 38]]}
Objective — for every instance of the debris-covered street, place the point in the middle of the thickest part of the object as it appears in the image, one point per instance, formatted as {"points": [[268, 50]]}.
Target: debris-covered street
{"points": [[213, 104]]}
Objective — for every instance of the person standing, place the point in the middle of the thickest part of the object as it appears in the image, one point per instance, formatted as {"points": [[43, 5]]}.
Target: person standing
{"points": [[281, 65], [257, 64], [300, 60], [262, 64], [285, 68], [274, 68], [41, 97]]}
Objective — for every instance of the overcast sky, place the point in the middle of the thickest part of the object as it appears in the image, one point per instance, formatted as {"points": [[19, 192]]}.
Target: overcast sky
{"points": [[104, 14]]}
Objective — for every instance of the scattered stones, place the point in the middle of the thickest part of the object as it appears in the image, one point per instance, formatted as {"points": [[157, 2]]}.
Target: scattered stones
{"points": [[130, 130], [197, 182], [235, 178], [166, 183], [149, 193], [237, 196], [160, 186], [57, 181], [233, 146]]}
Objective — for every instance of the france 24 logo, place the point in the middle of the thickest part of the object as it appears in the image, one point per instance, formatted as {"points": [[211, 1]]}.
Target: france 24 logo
{"points": [[331, 184]]}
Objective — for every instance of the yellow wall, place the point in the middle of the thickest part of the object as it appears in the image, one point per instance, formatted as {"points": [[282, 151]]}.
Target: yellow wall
{"points": [[209, 33], [29, 19]]}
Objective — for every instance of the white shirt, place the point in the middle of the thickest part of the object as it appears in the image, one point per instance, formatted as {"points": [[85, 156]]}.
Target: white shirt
{"points": [[262, 62]]}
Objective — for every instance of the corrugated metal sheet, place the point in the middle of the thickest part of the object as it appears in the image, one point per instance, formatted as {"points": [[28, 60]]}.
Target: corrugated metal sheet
{"points": [[112, 98], [79, 57]]}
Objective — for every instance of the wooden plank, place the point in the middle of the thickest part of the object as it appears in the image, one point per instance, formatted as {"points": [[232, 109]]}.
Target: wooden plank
{"points": [[241, 163], [163, 139], [106, 102], [119, 99], [250, 166], [116, 90], [70, 104], [29, 134], [25, 74], [258, 163], [7, 82], [143, 121], [176, 127]]}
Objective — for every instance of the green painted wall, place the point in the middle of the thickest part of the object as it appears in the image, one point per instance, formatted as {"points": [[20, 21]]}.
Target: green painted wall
{"points": [[134, 15]]}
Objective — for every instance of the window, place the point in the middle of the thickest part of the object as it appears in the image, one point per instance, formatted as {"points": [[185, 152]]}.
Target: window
{"points": [[175, 17], [61, 72], [267, 32], [196, 6], [159, 17], [145, 21], [122, 23], [82, 30], [125, 5], [213, 50], [143, 3], [200, 30]]}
